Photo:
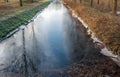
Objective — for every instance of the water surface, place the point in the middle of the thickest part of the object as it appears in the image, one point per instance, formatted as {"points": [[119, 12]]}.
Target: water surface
{"points": [[54, 40]]}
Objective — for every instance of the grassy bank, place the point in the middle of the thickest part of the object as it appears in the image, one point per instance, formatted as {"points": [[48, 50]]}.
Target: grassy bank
{"points": [[9, 24], [12, 7], [105, 26]]}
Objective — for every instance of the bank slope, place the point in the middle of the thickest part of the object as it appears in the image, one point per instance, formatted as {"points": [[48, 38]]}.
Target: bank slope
{"points": [[105, 26]]}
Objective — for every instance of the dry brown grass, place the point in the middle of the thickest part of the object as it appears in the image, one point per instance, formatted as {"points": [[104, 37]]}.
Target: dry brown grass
{"points": [[104, 5], [105, 26], [11, 1]]}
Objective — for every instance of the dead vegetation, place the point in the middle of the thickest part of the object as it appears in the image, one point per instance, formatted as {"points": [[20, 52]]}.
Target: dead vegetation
{"points": [[105, 25]]}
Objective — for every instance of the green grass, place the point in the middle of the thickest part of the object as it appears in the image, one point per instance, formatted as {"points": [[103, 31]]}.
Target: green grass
{"points": [[11, 23]]}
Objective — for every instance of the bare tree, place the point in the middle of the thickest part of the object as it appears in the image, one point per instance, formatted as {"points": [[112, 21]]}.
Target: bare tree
{"points": [[80, 1], [32, 1], [21, 3], [114, 7], [98, 2], [6, 0], [91, 3]]}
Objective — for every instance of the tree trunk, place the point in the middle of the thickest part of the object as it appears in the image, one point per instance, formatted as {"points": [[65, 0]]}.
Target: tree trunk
{"points": [[6, 0], [21, 3], [32, 1], [80, 1], [98, 2], [114, 7], [91, 3]]}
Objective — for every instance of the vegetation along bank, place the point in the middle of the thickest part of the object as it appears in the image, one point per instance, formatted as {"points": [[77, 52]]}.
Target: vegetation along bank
{"points": [[15, 15], [102, 19]]}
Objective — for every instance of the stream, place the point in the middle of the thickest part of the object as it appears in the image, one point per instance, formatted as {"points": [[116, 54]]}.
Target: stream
{"points": [[53, 41]]}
